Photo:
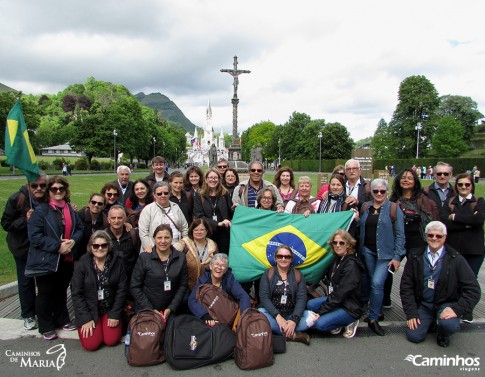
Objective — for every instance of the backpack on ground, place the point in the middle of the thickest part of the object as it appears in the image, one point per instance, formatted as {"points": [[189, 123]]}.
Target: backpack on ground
{"points": [[217, 303], [190, 343], [144, 339], [254, 348]]}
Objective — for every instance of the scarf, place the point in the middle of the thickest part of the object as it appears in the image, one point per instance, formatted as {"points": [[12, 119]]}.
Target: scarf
{"points": [[325, 205], [63, 208]]}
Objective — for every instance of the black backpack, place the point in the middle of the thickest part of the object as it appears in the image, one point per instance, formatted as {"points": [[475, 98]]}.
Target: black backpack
{"points": [[190, 343], [254, 346]]}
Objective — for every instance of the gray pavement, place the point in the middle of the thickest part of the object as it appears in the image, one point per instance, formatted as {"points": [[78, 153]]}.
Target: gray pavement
{"points": [[330, 355]]}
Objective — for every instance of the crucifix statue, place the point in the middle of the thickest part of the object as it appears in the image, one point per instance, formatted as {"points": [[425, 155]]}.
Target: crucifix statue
{"points": [[235, 73]]}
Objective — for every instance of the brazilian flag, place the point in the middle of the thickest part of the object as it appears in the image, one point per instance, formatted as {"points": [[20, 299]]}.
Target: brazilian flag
{"points": [[256, 234], [18, 149]]}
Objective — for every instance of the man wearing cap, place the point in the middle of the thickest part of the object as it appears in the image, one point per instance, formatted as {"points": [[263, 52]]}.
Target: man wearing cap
{"points": [[18, 210]]}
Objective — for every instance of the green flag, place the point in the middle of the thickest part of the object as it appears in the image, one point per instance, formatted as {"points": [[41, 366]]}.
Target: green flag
{"points": [[18, 150], [256, 234]]}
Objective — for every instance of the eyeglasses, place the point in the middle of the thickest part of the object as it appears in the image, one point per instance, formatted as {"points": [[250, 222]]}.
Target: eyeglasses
{"points": [[267, 198], [256, 170], [97, 246], [95, 203], [461, 184], [438, 236], [382, 192], [222, 166], [213, 178], [446, 174], [223, 266], [279, 256], [111, 194], [340, 243], [162, 193], [38, 185], [350, 169], [57, 189]]}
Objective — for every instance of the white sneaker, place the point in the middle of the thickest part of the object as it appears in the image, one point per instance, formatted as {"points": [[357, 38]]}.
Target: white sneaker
{"points": [[351, 329], [30, 323], [336, 331]]}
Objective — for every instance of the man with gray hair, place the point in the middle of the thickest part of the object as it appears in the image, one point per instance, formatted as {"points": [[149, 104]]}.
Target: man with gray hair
{"points": [[247, 191], [441, 190], [124, 183], [356, 187], [437, 286]]}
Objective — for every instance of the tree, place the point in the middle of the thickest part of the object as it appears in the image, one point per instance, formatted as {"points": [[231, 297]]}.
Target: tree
{"points": [[381, 142], [463, 110], [336, 142], [448, 139], [418, 101], [291, 134], [259, 133]]}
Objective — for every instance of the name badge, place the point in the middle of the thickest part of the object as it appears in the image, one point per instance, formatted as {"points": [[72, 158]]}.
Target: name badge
{"points": [[430, 283], [330, 288], [101, 294], [214, 217], [167, 285], [283, 300]]}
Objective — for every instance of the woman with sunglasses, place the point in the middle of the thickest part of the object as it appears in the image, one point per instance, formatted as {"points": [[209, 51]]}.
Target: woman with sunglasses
{"points": [[284, 180], [55, 230], [214, 205], [161, 211], [343, 305], [99, 288], [282, 293], [381, 244], [140, 197], [112, 195], [93, 219], [466, 215]]}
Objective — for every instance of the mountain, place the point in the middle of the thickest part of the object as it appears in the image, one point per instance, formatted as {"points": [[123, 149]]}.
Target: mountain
{"points": [[5, 88], [169, 110]]}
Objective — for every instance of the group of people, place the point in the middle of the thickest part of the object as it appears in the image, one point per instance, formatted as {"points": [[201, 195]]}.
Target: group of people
{"points": [[151, 243]]}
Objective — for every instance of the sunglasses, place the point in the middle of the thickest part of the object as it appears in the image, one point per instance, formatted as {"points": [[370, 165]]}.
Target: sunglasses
{"points": [[446, 174], [95, 203], [38, 185], [111, 194], [340, 243], [382, 192], [438, 236], [97, 246], [57, 189], [256, 170], [461, 184], [222, 166], [162, 193], [279, 256]]}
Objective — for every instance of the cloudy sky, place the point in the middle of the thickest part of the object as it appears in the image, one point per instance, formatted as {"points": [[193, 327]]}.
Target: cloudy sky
{"points": [[339, 62]]}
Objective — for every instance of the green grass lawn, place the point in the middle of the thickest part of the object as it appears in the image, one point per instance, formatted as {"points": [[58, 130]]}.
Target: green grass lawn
{"points": [[81, 188]]}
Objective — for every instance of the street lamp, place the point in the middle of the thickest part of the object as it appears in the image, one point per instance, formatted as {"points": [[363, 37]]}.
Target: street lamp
{"points": [[154, 141], [320, 160], [114, 147], [279, 152], [419, 127]]}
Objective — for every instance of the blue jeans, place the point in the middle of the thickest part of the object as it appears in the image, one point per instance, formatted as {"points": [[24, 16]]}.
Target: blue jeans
{"points": [[300, 326], [329, 321], [26, 288], [428, 315], [377, 269]]}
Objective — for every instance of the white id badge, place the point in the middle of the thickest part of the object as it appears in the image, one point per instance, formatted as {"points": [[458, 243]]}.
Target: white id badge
{"points": [[214, 217], [430, 283], [167, 285], [330, 289], [283, 299], [101, 294]]}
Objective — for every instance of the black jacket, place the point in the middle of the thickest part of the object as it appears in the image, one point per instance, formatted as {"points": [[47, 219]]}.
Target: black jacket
{"points": [[435, 197], [147, 281], [14, 221], [84, 289], [344, 275], [457, 284], [89, 228], [465, 232], [151, 180], [203, 208], [129, 190], [297, 291], [128, 248]]}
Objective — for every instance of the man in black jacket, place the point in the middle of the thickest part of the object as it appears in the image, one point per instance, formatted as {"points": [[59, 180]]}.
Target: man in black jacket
{"points": [[437, 286], [18, 210], [441, 190]]}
